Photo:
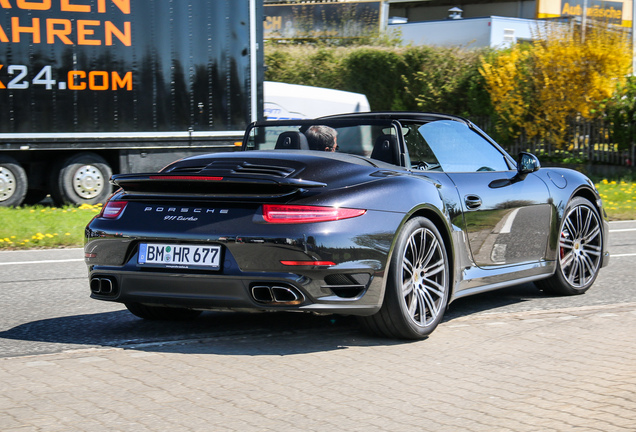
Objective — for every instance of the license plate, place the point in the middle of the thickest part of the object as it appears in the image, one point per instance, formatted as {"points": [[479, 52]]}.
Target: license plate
{"points": [[180, 256]]}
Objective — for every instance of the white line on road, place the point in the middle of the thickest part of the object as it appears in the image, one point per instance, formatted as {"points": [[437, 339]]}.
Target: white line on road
{"points": [[623, 230], [509, 221], [40, 262], [622, 255], [35, 251]]}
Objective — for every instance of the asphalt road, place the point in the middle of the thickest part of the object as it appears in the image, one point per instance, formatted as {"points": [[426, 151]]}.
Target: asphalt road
{"points": [[45, 305]]}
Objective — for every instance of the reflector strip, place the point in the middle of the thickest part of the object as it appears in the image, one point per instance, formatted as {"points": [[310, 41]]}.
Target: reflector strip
{"points": [[177, 177], [308, 263]]}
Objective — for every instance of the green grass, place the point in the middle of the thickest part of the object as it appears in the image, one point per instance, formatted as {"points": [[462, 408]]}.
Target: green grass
{"points": [[44, 227], [50, 227], [619, 198]]}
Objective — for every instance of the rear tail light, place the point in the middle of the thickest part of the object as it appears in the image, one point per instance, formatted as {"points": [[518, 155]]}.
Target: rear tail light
{"points": [[113, 209], [274, 213]]}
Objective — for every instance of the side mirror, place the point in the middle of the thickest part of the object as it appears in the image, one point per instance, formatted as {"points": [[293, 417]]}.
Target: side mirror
{"points": [[526, 163]]}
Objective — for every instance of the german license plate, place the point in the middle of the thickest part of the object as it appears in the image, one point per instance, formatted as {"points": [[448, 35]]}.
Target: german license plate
{"points": [[180, 256]]}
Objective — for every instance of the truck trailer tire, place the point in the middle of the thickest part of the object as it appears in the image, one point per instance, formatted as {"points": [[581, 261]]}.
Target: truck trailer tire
{"points": [[81, 179], [13, 182]]}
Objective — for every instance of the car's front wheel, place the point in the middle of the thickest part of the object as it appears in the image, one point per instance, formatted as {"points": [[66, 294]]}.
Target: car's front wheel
{"points": [[580, 250], [418, 284], [161, 313]]}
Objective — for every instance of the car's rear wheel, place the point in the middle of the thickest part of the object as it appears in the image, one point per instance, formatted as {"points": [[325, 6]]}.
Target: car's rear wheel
{"points": [[580, 250], [161, 313], [417, 286]]}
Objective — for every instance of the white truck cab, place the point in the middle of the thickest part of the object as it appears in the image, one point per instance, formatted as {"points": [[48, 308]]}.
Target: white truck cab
{"points": [[292, 101]]}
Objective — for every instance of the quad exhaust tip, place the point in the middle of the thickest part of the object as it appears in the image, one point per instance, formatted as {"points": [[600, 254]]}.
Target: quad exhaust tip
{"points": [[104, 286], [277, 294]]}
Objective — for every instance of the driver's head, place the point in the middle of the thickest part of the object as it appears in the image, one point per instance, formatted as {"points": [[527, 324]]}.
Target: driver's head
{"points": [[322, 138]]}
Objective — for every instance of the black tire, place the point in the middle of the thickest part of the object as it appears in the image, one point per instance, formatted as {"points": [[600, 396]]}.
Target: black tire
{"points": [[417, 287], [81, 179], [162, 313], [13, 182], [580, 250]]}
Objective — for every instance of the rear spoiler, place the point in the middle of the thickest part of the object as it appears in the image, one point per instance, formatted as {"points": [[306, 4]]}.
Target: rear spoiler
{"points": [[225, 186]]}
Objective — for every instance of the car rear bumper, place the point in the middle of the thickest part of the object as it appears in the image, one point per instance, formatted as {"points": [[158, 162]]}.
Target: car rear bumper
{"points": [[315, 291], [331, 267]]}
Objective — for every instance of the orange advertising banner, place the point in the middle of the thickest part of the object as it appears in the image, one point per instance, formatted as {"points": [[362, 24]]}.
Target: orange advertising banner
{"points": [[617, 12]]}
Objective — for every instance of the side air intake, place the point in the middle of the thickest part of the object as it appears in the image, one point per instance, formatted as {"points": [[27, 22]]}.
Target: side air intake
{"points": [[348, 286]]}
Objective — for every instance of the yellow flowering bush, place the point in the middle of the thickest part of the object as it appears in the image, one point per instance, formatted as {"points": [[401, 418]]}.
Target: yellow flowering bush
{"points": [[536, 88]]}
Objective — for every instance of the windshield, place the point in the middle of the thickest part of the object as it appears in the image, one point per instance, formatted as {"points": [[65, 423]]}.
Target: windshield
{"points": [[371, 139], [450, 146]]}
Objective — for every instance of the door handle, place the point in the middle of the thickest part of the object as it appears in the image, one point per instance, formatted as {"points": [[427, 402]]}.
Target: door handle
{"points": [[472, 202]]}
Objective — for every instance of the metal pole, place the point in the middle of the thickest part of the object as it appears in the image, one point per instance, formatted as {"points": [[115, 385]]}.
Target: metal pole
{"points": [[633, 37], [255, 45], [584, 20]]}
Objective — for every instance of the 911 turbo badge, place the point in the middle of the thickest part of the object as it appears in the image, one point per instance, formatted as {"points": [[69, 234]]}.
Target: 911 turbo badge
{"points": [[285, 225]]}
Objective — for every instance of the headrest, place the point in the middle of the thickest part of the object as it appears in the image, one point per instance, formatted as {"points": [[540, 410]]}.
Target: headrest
{"points": [[292, 141], [386, 149]]}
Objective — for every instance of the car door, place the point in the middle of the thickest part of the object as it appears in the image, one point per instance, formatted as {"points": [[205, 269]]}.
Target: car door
{"points": [[507, 218]]}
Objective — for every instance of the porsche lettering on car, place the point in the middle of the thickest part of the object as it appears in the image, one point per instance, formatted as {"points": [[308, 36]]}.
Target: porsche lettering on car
{"points": [[399, 215]]}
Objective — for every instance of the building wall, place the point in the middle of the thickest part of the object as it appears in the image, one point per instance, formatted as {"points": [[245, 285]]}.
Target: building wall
{"points": [[466, 32], [428, 12], [494, 32], [507, 31]]}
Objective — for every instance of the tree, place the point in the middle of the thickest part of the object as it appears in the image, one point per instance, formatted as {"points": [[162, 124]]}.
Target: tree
{"points": [[621, 111], [447, 80], [536, 88]]}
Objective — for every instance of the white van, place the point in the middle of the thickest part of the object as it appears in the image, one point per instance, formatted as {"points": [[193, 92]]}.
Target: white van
{"points": [[292, 101]]}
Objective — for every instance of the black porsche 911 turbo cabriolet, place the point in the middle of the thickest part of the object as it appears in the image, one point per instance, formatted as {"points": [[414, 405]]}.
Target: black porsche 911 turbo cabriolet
{"points": [[411, 212]]}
